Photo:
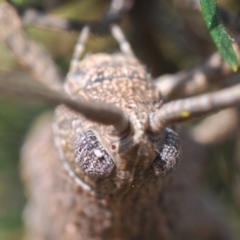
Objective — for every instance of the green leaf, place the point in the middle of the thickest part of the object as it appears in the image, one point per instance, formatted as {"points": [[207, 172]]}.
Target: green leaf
{"points": [[218, 32]]}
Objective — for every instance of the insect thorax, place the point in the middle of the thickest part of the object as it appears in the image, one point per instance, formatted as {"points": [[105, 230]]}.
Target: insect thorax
{"points": [[90, 155]]}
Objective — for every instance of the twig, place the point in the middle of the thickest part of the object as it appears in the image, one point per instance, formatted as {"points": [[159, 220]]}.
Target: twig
{"points": [[32, 16], [194, 80], [186, 109], [30, 55], [115, 13], [105, 114]]}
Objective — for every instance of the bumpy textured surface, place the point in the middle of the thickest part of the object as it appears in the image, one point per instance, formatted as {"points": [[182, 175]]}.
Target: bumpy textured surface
{"points": [[110, 199], [168, 154], [122, 81], [58, 208], [148, 207], [132, 202], [91, 156]]}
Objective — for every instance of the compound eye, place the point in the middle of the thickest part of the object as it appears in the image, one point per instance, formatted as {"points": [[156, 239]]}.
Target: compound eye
{"points": [[91, 156], [168, 154]]}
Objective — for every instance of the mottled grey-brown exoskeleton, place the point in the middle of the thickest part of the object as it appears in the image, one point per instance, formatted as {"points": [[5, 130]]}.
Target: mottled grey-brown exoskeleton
{"points": [[113, 162], [97, 168], [112, 159], [111, 168]]}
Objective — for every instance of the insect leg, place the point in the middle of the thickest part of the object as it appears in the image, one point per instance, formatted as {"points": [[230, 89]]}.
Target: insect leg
{"points": [[79, 49], [119, 36]]}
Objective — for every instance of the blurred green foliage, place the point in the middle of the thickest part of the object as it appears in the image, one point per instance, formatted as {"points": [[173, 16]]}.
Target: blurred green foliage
{"points": [[15, 119]]}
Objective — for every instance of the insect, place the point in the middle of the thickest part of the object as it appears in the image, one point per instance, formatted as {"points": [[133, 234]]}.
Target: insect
{"points": [[112, 163], [106, 157]]}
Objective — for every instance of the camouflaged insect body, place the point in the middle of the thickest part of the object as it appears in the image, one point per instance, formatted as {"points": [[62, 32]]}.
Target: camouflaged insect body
{"points": [[110, 163]]}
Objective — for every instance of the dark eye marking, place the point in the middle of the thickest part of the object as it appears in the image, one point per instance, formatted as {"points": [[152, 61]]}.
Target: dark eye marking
{"points": [[168, 154], [91, 156]]}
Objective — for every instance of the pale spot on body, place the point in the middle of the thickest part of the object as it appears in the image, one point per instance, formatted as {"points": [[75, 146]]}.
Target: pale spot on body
{"points": [[98, 153]]}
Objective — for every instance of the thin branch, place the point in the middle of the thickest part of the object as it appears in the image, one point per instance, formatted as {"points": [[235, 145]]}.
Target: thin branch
{"points": [[115, 13], [105, 114], [117, 10], [32, 16], [30, 55], [186, 109], [194, 80]]}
